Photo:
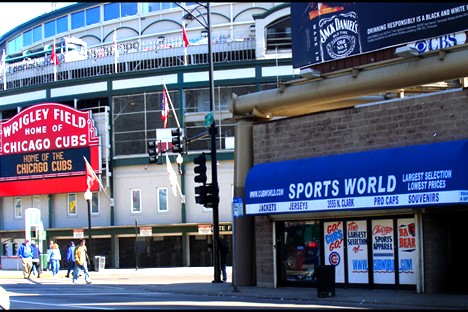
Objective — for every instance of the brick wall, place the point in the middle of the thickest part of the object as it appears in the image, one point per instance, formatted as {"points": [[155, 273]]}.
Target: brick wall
{"points": [[419, 120]]}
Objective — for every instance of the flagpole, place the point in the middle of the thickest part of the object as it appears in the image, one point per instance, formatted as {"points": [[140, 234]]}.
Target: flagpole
{"points": [[55, 61], [170, 102], [184, 38], [4, 69], [116, 53]]}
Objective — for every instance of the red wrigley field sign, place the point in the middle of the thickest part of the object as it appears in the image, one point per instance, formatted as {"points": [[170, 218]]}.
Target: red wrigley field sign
{"points": [[42, 151]]}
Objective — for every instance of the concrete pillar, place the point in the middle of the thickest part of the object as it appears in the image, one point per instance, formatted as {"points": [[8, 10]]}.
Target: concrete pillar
{"points": [[244, 226]]}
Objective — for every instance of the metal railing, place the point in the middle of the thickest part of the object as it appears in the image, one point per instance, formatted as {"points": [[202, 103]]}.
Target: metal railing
{"points": [[132, 56]]}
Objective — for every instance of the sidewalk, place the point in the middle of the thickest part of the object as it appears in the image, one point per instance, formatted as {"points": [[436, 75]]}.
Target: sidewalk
{"points": [[198, 280]]}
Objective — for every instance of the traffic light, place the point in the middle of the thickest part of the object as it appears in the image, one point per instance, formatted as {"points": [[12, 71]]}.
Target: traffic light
{"points": [[200, 177], [211, 196], [200, 194], [177, 141], [200, 169], [153, 152]]}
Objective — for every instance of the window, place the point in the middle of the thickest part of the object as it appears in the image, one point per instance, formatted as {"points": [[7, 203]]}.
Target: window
{"points": [[162, 199], [95, 204], [18, 208], [37, 33], [92, 16], [62, 24], [136, 200], [278, 35], [15, 45], [129, 8], [168, 5], [27, 37], [111, 11], [77, 20], [72, 204], [49, 29], [150, 7]]}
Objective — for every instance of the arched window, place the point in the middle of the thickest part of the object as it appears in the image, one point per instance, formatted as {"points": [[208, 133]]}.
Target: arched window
{"points": [[278, 35]]}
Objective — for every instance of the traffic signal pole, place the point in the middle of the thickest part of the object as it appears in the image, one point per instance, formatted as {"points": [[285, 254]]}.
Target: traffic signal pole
{"points": [[214, 161], [212, 131]]}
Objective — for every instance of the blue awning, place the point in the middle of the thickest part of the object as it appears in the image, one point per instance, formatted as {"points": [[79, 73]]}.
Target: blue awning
{"points": [[432, 174]]}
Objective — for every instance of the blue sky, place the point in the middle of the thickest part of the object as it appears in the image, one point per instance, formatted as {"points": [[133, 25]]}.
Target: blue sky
{"points": [[13, 14]]}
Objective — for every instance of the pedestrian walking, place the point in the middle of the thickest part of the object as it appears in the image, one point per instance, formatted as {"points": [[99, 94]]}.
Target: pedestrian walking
{"points": [[223, 251], [81, 262], [70, 258], [54, 257], [49, 250], [36, 264], [25, 253]]}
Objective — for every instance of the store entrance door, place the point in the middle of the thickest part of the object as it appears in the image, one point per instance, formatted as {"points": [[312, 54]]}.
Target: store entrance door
{"points": [[298, 252]]}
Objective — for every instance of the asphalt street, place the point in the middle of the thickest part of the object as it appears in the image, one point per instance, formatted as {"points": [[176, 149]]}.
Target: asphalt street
{"points": [[199, 281]]}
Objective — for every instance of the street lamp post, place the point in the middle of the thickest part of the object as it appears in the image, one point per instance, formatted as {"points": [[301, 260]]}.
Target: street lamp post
{"points": [[89, 196], [212, 132]]}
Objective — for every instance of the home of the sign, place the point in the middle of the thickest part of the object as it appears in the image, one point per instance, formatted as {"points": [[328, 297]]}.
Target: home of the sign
{"points": [[44, 163]]}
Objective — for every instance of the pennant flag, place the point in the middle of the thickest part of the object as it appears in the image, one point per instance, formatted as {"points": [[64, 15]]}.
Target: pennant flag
{"points": [[164, 108], [90, 175], [172, 176], [184, 36]]}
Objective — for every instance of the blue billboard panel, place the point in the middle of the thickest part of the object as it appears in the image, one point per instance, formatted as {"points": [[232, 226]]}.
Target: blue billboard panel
{"points": [[325, 31], [433, 174]]}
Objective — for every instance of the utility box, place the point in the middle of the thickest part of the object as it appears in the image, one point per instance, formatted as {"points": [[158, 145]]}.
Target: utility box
{"points": [[99, 263], [325, 281]]}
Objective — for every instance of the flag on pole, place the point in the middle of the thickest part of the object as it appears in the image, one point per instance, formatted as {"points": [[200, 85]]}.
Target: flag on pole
{"points": [[116, 51], [164, 108], [90, 175], [184, 36], [186, 42], [172, 176], [54, 57], [55, 60]]}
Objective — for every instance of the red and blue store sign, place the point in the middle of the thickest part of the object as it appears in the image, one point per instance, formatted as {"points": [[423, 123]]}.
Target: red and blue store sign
{"points": [[42, 151], [420, 175]]}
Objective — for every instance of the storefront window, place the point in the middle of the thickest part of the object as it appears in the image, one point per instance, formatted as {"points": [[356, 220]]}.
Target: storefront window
{"points": [[300, 250]]}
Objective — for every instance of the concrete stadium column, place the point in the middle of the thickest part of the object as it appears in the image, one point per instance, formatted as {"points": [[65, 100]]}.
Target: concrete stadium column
{"points": [[244, 273]]}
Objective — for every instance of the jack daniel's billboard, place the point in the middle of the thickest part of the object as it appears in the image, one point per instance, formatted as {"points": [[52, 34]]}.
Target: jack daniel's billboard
{"points": [[325, 31]]}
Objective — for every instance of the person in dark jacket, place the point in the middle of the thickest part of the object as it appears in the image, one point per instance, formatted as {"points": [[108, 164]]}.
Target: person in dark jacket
{"points": [[223, 251], [36, 264], [70, 258]]}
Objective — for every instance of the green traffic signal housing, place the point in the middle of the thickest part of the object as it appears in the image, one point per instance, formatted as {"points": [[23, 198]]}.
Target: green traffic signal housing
{"points": [[153, 152], [200, 169], [200, 177], [177, 140]]}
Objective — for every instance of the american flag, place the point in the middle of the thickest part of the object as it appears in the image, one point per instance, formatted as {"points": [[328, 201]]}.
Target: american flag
{"points": [[164, 108]]}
